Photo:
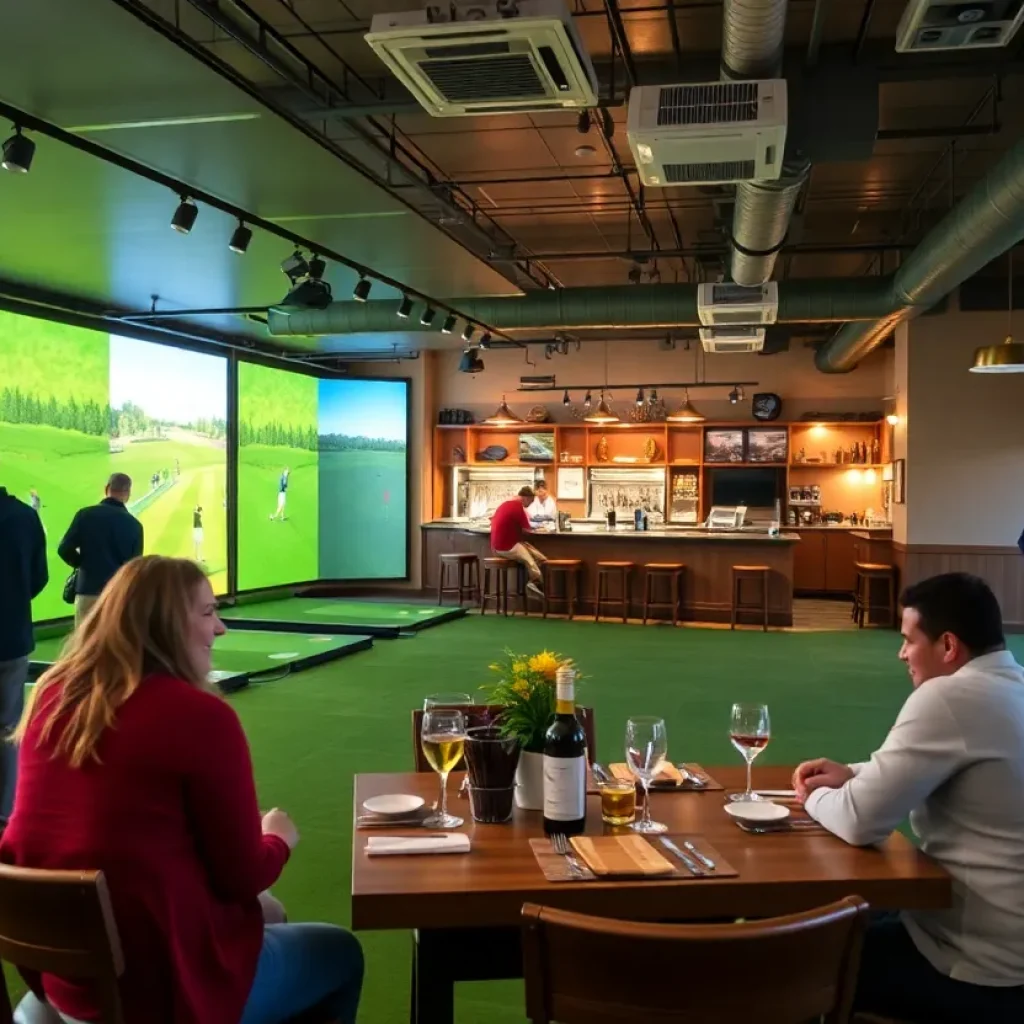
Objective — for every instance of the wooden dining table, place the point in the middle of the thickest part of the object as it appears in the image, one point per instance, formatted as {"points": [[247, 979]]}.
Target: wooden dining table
{"points": [[465, 908]]}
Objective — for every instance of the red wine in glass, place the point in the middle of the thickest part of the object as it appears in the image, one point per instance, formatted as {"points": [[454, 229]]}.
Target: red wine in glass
{"points": [[749, 746], [749, 732]]}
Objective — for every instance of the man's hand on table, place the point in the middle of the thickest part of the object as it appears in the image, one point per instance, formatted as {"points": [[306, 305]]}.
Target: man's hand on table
{"points": [[820, 773]]}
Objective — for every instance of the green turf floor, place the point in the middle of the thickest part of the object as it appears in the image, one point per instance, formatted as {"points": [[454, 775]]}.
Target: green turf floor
{"points": [[328, 610]]}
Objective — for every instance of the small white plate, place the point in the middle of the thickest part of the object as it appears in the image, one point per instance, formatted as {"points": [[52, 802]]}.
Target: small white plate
{"points": [[393, 804], [761, 810]]}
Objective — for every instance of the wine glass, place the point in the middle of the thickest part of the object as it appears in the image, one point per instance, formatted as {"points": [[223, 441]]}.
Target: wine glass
{"points": [[442, 737], [447, 700], [646, 751], [749, 730]]}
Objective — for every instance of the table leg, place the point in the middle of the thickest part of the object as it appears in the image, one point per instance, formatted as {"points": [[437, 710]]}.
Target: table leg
{"points": [[433, 987]]}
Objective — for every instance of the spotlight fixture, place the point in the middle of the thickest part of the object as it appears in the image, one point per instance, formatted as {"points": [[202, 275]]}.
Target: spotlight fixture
{"points": [[184, 216], [734, 396], [585, 151], [467, 332], [640, 396], [18, 153], [317, 267], [427, 317], [361, 292], [240, 238], [654, 275], [635, 274], [586, 401], [295, 267], [1005, 358], [565, 398], [449, 323], [583, 122], [405, 308], [653, 397], [892, 419], [485, 339], [471, 361]]}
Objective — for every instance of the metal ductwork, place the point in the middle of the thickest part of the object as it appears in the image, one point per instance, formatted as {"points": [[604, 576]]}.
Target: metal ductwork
{"points": [[753, 33], [653, 306], [983, 225]]}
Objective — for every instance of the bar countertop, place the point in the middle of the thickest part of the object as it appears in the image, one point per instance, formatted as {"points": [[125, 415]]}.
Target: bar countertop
{"points": [[594, 531]]}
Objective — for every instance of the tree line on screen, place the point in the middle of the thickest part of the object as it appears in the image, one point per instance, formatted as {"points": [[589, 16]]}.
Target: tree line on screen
{"points": [[285, 435], [347, 443], [132, 420], [17, 406]]}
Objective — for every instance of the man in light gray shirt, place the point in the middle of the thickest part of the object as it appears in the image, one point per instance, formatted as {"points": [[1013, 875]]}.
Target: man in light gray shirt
{"points": [[953, 762]]}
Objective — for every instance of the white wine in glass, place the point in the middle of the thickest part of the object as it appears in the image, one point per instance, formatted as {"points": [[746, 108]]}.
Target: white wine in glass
{"points": [[749, 732], [454, 701], [646, 752], [443, 737]]}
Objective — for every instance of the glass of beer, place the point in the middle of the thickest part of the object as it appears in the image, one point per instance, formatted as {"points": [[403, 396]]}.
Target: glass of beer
{"points": [[442, 737], [618, 801]]}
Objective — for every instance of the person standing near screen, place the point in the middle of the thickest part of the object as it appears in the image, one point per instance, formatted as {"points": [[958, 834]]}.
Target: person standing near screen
{"points": [[197, 532], [282, 494], [24, 575], [508, 525], [543, 508], [100, 539], [37, 505]]}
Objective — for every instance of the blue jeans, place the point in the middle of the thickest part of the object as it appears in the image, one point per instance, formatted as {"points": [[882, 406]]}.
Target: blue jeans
{"points": [[313, 972]]}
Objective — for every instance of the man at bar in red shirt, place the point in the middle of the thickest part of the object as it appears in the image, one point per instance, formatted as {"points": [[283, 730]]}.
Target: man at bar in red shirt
{"points": [[508, 525]]}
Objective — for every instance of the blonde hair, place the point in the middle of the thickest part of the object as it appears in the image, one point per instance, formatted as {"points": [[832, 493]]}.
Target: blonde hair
{"points": [[137, 627]]}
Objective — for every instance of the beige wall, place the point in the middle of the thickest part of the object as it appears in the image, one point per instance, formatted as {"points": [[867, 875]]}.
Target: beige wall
{"points": [[900, 369]]}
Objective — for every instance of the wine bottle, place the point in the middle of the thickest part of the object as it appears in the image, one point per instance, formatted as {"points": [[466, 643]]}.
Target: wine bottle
{"points": [[565, 762]]}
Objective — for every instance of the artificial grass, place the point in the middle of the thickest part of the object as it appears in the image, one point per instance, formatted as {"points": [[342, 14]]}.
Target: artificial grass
{"points": [[326, 611]]}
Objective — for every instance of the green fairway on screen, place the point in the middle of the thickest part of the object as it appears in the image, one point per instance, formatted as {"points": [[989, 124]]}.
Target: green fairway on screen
{"points": [[277, 437]]}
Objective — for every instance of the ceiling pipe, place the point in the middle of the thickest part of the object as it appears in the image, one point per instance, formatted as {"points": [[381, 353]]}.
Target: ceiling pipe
{"points": [[983, 225], [752, 47]]}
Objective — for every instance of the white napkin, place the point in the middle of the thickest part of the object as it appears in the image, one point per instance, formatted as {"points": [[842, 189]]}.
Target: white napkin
{"points": [[445, 842]]}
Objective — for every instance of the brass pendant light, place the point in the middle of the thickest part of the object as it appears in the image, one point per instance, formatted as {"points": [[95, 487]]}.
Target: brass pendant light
{"points": [[686, 413], [503, 416], [603, 414], [1005, 358]]}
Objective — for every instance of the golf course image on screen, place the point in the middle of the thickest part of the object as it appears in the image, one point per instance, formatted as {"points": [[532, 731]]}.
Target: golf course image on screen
{"points": [[363, 427], [278, 508], [169, 434], [54, 422]]}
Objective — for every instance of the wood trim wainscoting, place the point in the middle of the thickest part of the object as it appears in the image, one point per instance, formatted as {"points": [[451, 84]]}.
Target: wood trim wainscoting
{"points": [[1001, 567]]}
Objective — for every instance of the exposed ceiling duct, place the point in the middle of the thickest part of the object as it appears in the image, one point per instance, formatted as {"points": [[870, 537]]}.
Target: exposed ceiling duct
{"points": [[752, 44], [983, 225]]}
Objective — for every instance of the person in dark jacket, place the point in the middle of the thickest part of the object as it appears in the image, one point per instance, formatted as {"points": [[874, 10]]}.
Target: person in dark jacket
{"points": [[100, 539], [24, 574]]}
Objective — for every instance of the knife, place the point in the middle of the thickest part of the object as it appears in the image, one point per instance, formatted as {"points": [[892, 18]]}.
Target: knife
{"points": [[692, 866], [703, 858]]}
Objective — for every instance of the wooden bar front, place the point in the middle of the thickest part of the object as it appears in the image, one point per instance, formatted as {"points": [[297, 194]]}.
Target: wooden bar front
{"points": [[708, 557]]}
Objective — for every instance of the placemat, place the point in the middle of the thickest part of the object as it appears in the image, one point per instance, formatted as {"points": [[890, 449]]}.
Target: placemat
{"points": [[672, 781], [555, 867]]}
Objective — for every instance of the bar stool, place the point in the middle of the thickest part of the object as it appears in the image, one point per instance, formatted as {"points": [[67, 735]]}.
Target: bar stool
{"points": [[672, 573], [496, 573], [459, 574], [567, 570], [867, 572], [605, 572], [758, 574]]}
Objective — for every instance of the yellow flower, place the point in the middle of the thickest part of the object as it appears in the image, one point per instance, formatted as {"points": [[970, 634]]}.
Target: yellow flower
{"points": [[522, 688], [545, 664], [519, 668]]}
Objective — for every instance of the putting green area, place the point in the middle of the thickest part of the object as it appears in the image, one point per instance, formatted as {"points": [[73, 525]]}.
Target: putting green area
{"points": [[327, 615]]}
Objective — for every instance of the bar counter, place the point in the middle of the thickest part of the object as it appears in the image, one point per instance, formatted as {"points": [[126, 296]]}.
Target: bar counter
{"points": [[707, 554]]}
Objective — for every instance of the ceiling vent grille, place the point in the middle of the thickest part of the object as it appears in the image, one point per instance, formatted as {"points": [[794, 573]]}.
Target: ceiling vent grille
{"points": [[956, 25], [712, 103]]}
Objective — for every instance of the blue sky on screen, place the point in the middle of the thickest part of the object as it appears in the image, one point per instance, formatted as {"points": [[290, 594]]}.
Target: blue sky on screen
{"points": [[170, 384], [364, 408]]}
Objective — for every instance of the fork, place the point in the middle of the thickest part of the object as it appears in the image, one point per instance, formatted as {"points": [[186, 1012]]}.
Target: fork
{"points": [[561, 846]]}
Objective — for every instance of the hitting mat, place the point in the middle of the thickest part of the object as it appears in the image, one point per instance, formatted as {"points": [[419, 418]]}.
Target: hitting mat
{"points": [[381, 619], [245, 655]]}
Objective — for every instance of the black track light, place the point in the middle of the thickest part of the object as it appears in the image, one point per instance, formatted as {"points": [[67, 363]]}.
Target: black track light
{"points": [[653, 396], [18, 153], [467, 332], [565, 398], [405, 307], [485, 339], [471, 361], [449, 323], [184, 216], [583, 123], [295, 267], [317, 267], [240, 238], [427, 317], [361, 292], [587, 400], [635, 274], [734, 395], [640, 396]]}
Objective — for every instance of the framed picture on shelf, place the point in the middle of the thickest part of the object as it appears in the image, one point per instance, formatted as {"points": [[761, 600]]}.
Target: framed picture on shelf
{"points": [[723, 446], [570, 483], [899, 482], [767, 445]]}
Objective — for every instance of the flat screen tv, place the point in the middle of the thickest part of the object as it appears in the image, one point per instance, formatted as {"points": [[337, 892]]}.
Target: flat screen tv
{"points": [[755, 488], [537, 447]]}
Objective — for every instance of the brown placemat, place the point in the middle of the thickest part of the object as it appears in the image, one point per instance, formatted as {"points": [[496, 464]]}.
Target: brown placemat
{"points": [[666, 783], [555, 867]]}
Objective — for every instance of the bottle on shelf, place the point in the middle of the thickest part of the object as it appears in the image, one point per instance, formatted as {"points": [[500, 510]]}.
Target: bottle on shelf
{"points": [[565, 762], [875, 452]]}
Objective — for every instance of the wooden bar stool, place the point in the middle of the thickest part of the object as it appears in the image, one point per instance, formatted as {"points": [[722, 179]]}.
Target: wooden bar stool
{"points": [[459, 574], [867, 573], [672, 573], [605, 572], [567, 570], [758, 574], [496, 574]]}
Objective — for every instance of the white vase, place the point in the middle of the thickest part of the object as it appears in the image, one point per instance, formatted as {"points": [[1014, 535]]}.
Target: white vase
{"points": [[530, 782]]}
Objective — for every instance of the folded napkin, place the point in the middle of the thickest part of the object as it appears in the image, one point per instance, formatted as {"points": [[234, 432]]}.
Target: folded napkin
{"points": [[436, 842], [621, 856], [669, 774]]}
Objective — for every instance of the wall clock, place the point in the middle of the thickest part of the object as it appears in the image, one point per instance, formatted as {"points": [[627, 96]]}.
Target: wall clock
{"points": [[766, 406]]}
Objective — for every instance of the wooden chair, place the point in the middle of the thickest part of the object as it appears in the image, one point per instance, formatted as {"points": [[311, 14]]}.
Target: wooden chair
{"points": [[672, 573], [758, 574], [458, 573], [863, 606], [605, 572], [485, 714], [61, 922], [784, 970], [496, 579], [567, 570]]}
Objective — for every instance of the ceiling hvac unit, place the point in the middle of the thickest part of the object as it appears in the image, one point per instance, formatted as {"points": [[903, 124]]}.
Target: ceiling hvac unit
{"points": [[713, 133], [732, 339], [487, 58], [724, 305], [955, 25]]}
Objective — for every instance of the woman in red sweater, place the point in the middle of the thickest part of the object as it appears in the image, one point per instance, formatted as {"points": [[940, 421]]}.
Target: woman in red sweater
{"points": [[130, 763]]}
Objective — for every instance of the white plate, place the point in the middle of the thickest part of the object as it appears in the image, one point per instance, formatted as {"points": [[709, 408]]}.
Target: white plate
{"points": [[393, 803], [760, 810]]}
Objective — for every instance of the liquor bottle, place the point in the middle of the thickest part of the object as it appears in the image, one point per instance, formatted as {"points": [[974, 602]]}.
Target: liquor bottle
{"points": [[565, 762]]}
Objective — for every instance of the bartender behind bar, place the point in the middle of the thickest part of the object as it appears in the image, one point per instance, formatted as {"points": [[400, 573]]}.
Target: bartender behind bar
{"points": [[543, 509]]}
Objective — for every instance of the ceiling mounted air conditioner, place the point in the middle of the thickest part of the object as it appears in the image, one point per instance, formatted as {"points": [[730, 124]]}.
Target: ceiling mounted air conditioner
{"points": [[722, 305], [494, 57], [713, 133], [955, 25], [732, 339]]}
